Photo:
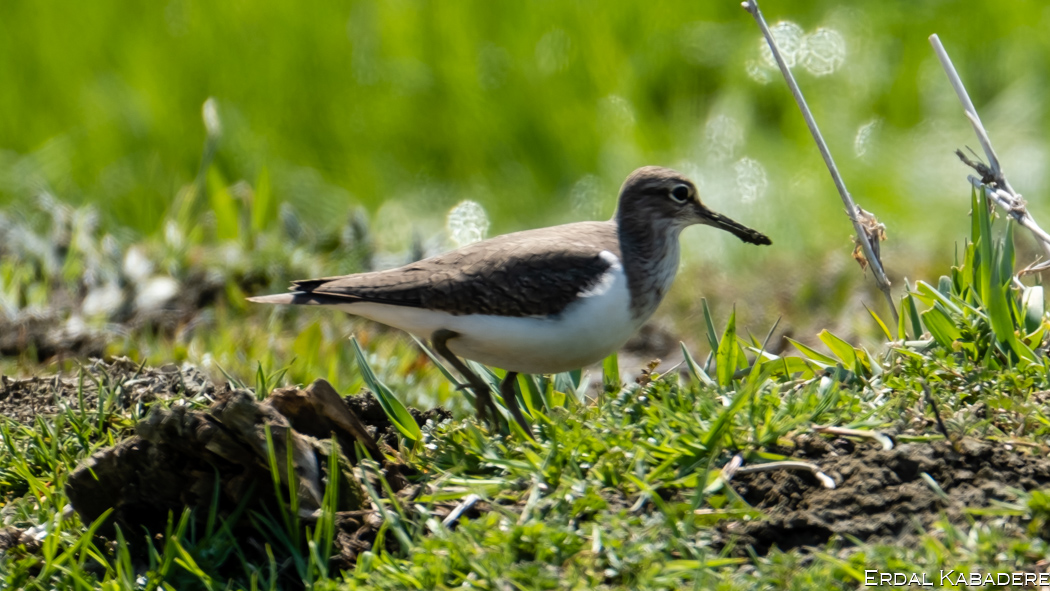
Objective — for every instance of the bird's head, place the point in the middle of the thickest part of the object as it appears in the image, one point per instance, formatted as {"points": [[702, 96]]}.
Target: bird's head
{"points": [[664, 197]]}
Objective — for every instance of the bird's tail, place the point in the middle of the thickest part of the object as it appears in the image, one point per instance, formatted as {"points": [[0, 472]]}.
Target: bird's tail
{"points": [[294, 297]]}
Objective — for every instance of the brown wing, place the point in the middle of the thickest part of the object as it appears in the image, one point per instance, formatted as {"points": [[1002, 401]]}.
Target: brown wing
{"points": [[531, 273]]}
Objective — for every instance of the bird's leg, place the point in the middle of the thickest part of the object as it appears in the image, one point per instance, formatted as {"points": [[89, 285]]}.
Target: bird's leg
{"points": [[484, 401], [510, 400]]}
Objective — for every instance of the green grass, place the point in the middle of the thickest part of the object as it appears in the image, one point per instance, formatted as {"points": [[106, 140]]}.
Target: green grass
{"points": [[347, 131]]}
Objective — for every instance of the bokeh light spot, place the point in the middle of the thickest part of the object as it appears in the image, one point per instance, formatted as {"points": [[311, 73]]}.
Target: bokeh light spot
{"points": [[723, 136], [467, 223], [553, 52], [788, 37], [758, 72], [751, 179], [823, 51], [585, 197], [865, 134]]}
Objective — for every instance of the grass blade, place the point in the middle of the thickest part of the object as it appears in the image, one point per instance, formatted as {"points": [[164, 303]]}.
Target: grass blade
{"points": [[725, 358], [843, 350], [392, 407], [882, 325], [712, 336], [697, 371], [611, 374], [813, 354]]}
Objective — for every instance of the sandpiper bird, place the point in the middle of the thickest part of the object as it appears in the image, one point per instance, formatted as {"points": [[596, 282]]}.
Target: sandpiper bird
{"points": [[539, 301]]}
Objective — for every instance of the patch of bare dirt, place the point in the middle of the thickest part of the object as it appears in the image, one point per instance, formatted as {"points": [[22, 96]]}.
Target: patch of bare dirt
{"points": [[184, 457], [121, 381], [880, 496]]}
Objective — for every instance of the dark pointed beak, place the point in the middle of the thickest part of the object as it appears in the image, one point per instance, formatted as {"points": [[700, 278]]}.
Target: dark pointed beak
{"points": [[737, 229]]}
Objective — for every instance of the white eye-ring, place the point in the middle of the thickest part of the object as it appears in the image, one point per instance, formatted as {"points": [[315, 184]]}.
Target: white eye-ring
{"points": [[680, 193]]}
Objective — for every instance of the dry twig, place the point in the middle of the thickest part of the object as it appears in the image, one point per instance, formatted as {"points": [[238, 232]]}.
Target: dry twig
{"points": [[884, 440], [825, 480], [735, 466], [468, 502], [992, 179], [862, 238]]}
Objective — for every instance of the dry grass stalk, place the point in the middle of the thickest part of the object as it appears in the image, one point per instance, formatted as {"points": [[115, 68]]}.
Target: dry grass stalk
{"points": [[992, 179], [869, 253]]}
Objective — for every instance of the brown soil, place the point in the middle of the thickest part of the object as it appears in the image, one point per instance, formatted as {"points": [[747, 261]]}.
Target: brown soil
{"points": [[365, 406], [124, 383], [880, 496]]}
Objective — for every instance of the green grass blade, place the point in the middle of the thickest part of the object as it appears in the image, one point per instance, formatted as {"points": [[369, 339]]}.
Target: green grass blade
{"points": [[263, 206], [712, 336], [719, 425], [789, 365], [392, 407], [725, 358], [694, 368], [813, 354], [1006, 254], [843, 350], [445, 371], [611, 374], [882, 325], [931, 295], [902, 322], [941, 327], [913, 315], [1032, 304], [531, 393], [223, 206]]}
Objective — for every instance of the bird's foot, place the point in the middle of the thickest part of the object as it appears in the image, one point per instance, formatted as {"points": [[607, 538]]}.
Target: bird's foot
{"points": [[487, 411], [488, 414]]}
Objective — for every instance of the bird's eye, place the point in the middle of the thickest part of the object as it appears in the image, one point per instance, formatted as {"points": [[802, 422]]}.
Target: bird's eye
{"points": [[680, 193]]}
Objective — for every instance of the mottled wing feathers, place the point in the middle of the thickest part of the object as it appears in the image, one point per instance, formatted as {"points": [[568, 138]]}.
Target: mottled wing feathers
{"points": [[531, 273]]}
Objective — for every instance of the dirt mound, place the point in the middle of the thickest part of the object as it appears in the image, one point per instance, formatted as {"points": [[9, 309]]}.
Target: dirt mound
{"points": [[227, 457], [186, 457], [881, 496]]}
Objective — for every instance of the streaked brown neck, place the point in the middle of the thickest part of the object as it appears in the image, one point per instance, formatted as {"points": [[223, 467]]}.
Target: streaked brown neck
{"points": [[650, 254]]}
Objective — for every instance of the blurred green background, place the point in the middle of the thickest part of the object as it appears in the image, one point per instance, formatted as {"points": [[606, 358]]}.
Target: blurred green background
{"points": [[536, 110]]}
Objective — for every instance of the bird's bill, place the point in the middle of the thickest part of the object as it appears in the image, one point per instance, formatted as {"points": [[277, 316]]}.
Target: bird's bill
{"points": [[735, 228]]}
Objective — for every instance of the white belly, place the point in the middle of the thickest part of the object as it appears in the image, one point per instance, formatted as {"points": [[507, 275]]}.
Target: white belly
{"points": [[587, 331]]}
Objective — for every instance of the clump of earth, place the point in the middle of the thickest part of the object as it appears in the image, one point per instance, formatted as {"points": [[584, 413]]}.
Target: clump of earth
{"points": [[881, 496]]}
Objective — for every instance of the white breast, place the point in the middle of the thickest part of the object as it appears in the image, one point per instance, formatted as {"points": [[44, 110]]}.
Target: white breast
{"points": [[587, 331]]}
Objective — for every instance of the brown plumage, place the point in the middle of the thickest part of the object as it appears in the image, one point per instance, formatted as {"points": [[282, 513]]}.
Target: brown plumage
{"points": [[531, 273]]}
